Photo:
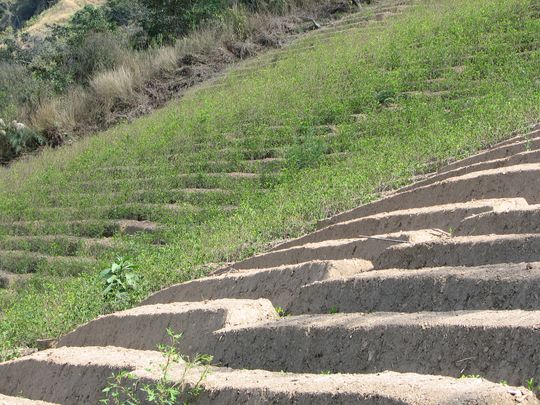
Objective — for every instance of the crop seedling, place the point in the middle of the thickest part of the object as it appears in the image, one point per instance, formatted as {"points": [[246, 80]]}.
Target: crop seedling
{"points": [[124, 388]]}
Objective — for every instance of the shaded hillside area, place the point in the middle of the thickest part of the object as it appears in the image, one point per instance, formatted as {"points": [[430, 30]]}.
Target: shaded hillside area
{"points": [[258, 155]]}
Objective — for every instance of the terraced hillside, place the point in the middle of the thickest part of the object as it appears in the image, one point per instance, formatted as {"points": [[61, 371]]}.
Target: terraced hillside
{"points": [[386, 303], [332, 120]]}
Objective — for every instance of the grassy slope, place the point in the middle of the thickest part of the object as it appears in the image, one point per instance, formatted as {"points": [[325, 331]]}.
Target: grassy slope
{"points": [[455, 76]]}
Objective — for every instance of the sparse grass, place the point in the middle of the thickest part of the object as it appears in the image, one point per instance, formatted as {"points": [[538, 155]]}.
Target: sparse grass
{"points": [[470, 376], [533, 386], [334, 310], [269, 109]]}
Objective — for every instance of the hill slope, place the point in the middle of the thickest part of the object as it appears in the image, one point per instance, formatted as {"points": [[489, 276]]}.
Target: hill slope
{"points": [[259, 155], [59, 13]]}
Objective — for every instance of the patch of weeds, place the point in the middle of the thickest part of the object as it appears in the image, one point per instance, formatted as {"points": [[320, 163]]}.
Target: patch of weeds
{"points": [[533, 386], [125, 388], [325, 372], [120, 283], [333, 310], [282, 312], [504, 383], [385, 97], [306, 155], [469, 376]]}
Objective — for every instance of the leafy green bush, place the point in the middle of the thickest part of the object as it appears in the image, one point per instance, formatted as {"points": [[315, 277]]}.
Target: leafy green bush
{"points": [[120, 283], [16, 139], [170, 19]]}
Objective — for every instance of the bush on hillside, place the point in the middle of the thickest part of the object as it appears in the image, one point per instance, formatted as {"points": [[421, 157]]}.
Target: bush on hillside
{"points": [[16, 139]]}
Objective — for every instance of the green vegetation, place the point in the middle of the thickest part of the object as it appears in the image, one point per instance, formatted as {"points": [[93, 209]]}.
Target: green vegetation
{"points": [[120, 283], [126, 388], [123, 58], [282, 313], [533, 386], [461, 74]]}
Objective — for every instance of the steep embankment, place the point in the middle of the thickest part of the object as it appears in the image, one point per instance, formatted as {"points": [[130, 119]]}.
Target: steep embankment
{"points": [[262, 153]]}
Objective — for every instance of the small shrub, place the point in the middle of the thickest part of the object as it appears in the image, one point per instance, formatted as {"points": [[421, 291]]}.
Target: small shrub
{"points": [[385, 97], [16, 139], [282, 312], [120, 282]]}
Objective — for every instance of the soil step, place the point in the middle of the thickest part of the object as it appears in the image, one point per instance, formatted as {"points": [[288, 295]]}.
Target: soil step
{"points": [[187, 180], [532, 142], [280, 285], [517, 159], [150, 195], [498, 345], [462, 251], [5, 400], [366, 248], [82, 228], [446, 217], [131, 211], [73, 376], [211, 165], [513, 221], [60, 245], [500, 287], [510, 182], [8, 280], [23, 262], [145, 327]]}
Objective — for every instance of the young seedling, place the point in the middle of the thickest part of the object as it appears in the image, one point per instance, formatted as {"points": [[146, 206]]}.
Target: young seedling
{"points": [[334, 310]]}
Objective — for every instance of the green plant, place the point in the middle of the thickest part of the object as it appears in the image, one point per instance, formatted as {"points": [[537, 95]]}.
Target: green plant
{"points": [[470, 376], [120, 282], [533, 386], [334, 310], [282, 312], [385, 97], [16, 139], [126, 388]]}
